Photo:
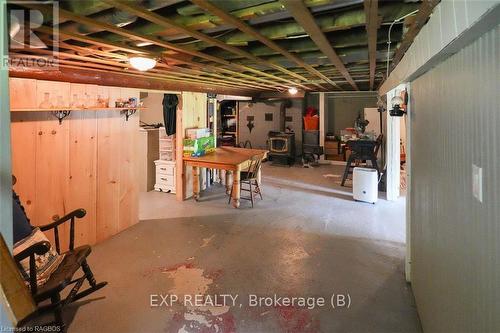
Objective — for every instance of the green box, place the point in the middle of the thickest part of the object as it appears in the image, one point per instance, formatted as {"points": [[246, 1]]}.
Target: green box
{"points": [[199, 147]]}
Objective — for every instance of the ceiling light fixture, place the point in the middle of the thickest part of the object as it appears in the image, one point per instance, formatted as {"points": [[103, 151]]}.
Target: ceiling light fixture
{"points": [[292, 90], [142, 63]]}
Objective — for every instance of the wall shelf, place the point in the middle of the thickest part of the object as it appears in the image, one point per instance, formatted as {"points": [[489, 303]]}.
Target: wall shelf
{"points": [[61, 113], [78, 109]]}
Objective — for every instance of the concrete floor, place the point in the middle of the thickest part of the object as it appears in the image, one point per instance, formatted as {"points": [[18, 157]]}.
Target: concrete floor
{"points": [[307, 238]]}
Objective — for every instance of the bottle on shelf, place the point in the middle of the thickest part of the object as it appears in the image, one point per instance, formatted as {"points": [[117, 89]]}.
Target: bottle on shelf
{"points": [[60, 102], [46, 104]]}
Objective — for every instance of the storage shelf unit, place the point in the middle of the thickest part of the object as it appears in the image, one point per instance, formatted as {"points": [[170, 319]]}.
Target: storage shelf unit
{"points": [[228, 133], [165, 166]]}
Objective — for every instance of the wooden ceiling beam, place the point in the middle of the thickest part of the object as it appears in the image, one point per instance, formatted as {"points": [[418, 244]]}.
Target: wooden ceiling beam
{"points": [[67, 73], [159, 71], [116, 68], [168, 23], [169, 46], [137, 50], [304, 17], [244, 27], [372, 25], [181, 71], [424, 11]]}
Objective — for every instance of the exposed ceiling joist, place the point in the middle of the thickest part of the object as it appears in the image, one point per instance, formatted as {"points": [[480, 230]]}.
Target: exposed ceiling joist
{"points": [[254, 44], [423, 14], [372, 24], [170, 46], [130, 49], [242, 26], [161, 70], [168, 23], [304, 17], [117, 68], [75, 74]]}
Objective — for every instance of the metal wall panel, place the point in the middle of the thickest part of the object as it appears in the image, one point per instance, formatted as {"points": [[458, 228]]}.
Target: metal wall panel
{"points": [[455, 239]]}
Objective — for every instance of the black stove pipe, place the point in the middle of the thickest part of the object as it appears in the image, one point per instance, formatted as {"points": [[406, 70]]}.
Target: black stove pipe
{"points": [[283, 106]]}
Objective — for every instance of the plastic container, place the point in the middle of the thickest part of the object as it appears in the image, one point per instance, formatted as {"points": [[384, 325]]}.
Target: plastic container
{"points": [[166, 155], [311, 123]]}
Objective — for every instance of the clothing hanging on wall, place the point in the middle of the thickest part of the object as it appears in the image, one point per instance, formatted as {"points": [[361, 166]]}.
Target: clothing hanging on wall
{"points": [[170, 102]]}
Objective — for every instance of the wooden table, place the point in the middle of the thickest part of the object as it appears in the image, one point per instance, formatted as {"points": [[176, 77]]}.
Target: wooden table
{"points": [[231, 159]]}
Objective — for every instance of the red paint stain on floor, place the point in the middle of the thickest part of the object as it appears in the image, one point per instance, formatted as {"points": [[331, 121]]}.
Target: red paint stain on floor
{"points": [[214, 274], [224, 323], [166, 269], [176, 267], [297, 320]]}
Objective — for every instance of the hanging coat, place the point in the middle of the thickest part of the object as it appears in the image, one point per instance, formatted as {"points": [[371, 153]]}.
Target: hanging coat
{"points": [[170, 102]]}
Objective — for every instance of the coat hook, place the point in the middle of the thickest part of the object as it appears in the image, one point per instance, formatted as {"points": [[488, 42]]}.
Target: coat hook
{"points": [[128, 113], [61, 114]]}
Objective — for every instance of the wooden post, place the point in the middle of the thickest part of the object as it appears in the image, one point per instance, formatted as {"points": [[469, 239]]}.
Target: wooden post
{"points": [[393, 149], [180, 179]]}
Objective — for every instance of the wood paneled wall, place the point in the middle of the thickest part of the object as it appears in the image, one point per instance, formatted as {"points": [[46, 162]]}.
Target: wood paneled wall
{"points": [[89, 161], [191, 112]]}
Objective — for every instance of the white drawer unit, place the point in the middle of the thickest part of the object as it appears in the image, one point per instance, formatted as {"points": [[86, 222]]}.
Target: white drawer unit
{"points": [[165, 176]]}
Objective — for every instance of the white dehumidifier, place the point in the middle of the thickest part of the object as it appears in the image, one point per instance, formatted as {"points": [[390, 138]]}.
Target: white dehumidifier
{"points": [[365, 184]]}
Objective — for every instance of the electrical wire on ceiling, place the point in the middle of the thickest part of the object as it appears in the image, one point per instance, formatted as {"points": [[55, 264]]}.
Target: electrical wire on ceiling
{"points": [[389, 37]]}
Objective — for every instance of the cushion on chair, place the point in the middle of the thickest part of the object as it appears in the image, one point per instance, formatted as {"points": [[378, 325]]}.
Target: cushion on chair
{"points": [[21, 224], [46, 263], [63, 275]]}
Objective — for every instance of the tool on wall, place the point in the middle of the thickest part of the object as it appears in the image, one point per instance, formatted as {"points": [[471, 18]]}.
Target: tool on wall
{"points": [[250, 123]]}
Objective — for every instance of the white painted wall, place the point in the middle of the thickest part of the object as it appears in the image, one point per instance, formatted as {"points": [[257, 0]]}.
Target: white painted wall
{"points": [[154, 112], [258, 135], [455, 238]]}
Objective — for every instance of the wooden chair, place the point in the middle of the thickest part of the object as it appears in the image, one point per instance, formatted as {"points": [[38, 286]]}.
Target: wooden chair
{"points": [[250, 178], [18, 305], [62, 277], [379, 141], [246, 144]]}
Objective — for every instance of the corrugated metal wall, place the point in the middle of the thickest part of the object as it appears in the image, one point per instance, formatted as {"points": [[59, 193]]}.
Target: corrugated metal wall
{"points": [[456, 239]]}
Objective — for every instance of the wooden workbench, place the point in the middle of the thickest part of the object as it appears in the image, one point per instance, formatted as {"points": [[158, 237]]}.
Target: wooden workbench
{"points": [[231, 159]]}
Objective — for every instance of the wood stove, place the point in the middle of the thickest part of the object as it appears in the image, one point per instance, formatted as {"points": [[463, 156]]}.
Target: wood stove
{"points": [[281, 146]]}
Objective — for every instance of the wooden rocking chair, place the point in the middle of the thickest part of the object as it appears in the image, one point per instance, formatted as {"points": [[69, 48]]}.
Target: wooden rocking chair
{"points": [[62, 277]]}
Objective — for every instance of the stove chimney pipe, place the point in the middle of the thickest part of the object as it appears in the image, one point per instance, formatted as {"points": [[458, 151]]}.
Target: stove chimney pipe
{"points": [[283, 106]]}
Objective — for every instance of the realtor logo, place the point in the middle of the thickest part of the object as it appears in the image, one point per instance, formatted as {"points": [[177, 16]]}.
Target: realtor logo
{"points": [[33, 34]]}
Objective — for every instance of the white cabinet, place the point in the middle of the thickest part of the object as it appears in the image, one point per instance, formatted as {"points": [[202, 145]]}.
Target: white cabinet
{"points": [[165, 176], [165, 166]]}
